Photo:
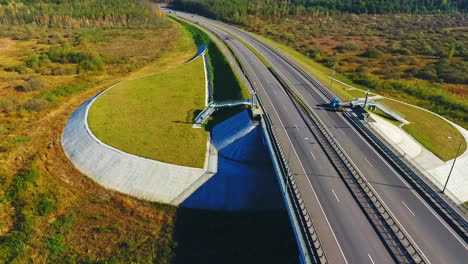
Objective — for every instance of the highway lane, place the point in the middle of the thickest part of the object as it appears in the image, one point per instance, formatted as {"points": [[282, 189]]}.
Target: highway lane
{"points": [[435, 239], [346, 234]]}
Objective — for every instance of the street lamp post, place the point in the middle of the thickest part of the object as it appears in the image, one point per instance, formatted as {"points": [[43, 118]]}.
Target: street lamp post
{"points": [[453, 164]]}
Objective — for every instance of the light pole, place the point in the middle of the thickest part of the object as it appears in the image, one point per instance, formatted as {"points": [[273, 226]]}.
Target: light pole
{"points": [[453, 164], [365, 102]]}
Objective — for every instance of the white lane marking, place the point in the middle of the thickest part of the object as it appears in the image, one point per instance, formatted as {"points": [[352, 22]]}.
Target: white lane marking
{"points": [[336, 196], [275, 92], [368, 162], [296, 126], [370, 258], [436, 215], [408, 208], [284, 107], [313, 156], [300, 163]]}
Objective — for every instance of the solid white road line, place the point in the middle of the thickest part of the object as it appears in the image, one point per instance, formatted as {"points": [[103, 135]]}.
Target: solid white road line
{"points": [[300, 163], [408, 208], [370, 258], [336, 196], [303, 169]]}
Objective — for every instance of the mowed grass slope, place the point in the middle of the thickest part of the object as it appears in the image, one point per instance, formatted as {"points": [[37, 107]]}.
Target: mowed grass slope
{"points": [[431, 131], [152, 117]]}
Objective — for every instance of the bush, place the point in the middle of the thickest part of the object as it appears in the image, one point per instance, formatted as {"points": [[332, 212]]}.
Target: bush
{"points": [[21, 182], [34, 84], [403, 51], [7, 105], [367, 79], [91, 62], [21, 69], [36, 105], [372, 52], [64, 70], [47, 203], [55, 244], [36, 62], [348, 46], [427, 74], [66, 90], [3, 131]]}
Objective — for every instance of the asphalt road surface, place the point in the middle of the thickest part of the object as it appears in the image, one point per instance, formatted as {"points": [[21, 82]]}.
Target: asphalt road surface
{"points": [[346, 234]]}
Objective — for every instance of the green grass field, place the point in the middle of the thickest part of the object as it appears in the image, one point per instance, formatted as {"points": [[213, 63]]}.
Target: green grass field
{"points": [[226, 85], [431, 131], [152, 117], [386, 117]]}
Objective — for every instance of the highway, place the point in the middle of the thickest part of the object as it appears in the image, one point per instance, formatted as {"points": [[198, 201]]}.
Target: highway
{"points": [[344, 230]]}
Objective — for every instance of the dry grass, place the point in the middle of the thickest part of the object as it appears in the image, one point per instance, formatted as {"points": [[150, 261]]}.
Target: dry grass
{"points": [[104, 225]]}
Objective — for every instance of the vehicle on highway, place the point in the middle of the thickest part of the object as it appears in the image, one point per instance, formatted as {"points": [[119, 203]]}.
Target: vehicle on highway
{"points": [[336, 104]]}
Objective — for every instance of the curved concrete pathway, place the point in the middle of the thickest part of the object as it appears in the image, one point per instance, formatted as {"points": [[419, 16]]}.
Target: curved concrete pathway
{"points": [[127, 173]]}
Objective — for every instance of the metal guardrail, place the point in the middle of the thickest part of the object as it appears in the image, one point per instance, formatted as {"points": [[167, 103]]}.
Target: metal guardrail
{"points": [[315, 252], [449, 214], [456, 221], [403, 248], [314, 246], [311, 238]]}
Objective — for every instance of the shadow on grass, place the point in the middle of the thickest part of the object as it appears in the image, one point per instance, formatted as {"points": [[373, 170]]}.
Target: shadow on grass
{"points": [[230, 237]]}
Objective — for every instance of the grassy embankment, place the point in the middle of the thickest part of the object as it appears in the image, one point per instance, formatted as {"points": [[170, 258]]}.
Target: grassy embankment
{"points": [[49, 212], [226, 85], [152, 116], [429, 130]]}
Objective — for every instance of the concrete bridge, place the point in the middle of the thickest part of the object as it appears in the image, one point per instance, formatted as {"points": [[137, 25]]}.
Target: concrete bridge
{"points": [[214, 105]]}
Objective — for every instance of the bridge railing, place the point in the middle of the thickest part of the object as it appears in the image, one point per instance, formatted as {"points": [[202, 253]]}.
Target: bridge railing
{"points": [[452, 216]]}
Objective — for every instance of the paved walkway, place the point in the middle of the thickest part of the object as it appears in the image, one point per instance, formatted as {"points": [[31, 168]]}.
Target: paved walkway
{"points": [[434, 168]]}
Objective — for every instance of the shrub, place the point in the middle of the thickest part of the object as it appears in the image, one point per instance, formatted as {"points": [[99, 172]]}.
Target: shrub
{"points": [[7, 105], [21, 182], [3, 131], [427, 74], [64, 70], [35, 62], [65, 90], [55, 244], [91, 62], [348, 46], [403, 51], [372, 52], [34, 84], [47, 203], [21, 69], [36, 104]]}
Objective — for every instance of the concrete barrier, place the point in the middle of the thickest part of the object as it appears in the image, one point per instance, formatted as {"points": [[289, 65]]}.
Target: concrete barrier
{"points": [[121, 171]]}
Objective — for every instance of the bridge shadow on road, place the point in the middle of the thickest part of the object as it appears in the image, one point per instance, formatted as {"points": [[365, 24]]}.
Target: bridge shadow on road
{"points": [[205, 236]]}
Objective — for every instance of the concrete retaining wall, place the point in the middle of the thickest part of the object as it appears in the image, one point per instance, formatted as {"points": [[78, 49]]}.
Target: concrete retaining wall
{"points": [[137, 176], [124, 172]]}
